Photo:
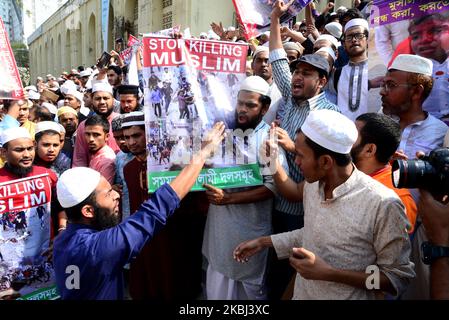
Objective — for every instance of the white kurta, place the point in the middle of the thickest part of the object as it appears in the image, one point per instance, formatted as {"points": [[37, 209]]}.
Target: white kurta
{"points": [[353, 89]]}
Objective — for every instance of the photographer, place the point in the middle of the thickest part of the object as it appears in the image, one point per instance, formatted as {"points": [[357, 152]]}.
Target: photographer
{"points": [[435, 218]]}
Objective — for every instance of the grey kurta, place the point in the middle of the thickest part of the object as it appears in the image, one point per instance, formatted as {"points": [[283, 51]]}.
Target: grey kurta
{"points": [[229, 225]]}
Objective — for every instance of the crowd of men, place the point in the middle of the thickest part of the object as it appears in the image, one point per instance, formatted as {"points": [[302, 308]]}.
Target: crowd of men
{"points": [[328, 211]]}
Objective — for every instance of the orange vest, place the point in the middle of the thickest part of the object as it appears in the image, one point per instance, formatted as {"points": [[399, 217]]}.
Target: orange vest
{"points": [[384, 177]]}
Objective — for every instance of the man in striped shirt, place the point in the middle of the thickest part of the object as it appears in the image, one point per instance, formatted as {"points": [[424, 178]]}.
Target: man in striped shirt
{"points": [[302, 92]]}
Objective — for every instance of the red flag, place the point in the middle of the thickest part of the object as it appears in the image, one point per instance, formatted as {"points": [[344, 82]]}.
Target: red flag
{"points": [[10, 83]]}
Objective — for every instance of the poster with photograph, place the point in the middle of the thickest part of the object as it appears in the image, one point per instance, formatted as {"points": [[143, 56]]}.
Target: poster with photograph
{"points": [[191, 84], [25, 272], [254, 15], [385, 11]]}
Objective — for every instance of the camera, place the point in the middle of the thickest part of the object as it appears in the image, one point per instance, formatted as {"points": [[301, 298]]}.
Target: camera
{"points": [[430, 173]]}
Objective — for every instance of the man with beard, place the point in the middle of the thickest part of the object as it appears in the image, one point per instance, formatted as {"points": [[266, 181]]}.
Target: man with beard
{"points": [[262, 68], [123, 157], [407, 83], [301, 84], [129, 98], [18, 149], [68, 118], [96, 243], [378, 140], [242, 213], [103, 105], [352, 84]]}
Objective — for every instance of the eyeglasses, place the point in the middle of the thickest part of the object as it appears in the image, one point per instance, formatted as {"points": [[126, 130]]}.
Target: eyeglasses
{"points": [[357, 36], [387, 86]]}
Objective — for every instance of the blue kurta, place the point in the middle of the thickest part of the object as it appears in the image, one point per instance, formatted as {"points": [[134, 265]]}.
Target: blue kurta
{"points": [[101, 255]]}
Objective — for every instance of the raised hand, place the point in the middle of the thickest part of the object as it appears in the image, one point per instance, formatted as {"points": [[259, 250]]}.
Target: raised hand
{"points": [[213, 139]]}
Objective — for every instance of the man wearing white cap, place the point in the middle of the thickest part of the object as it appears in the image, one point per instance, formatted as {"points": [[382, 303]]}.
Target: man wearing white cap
{"points": [[407, 84], [95, 243], [48, 146], [352, 80], [334, 29], [68, 118], [262, 68], [75, 99], [238, 214], [301, 84], [326, 40], [352, 222], [31, 205], [103, 105]]}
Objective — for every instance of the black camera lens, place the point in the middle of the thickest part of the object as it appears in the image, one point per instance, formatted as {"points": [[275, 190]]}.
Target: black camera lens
{"points": [[412, 174]]}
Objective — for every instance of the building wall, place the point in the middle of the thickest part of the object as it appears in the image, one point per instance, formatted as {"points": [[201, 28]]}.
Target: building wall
{"points": [[12, 19], [72, 35]]}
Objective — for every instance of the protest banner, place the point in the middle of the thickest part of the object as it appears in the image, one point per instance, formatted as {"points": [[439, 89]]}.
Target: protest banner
{"points": [[10, 83], [385, 12], [24, 237], [254, 15], [190, 84]]}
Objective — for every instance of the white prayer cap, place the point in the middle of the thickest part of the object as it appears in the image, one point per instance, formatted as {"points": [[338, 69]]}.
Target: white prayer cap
{"points": [[30, 88], [13, 134], [412, 63], [135, 118], [357, 22], [260, 49], [102, 86], [60, 104], [46, 126], [255, 84], [342, 9], [328, 50], [86, 73], [294, 46], [69, 85], [203, 34], [331, 130], [75, 185], [329, 38], [78, 95], [335, 29], [231, 28], [49, 75], [33, 95], [212, 35], [50, 107]]}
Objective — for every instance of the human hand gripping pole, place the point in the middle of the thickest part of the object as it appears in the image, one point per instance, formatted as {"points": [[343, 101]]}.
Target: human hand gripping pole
{"points": [[187, 177]]}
